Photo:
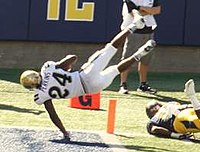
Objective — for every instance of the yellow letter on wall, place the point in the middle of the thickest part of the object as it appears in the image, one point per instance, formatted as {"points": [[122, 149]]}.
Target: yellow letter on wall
{"points": [[73, 13], [53, 10]]}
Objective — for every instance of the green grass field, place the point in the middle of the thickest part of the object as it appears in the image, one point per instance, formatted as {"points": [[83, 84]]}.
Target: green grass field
{"points": [[18, 109]]}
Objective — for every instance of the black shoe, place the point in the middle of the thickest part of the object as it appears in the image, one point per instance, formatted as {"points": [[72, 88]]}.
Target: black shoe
{"points": [[146, 88], [123, 89]]}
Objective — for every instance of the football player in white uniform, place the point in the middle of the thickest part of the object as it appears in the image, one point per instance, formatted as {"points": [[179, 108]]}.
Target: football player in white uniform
{"points": [[55, 81]]}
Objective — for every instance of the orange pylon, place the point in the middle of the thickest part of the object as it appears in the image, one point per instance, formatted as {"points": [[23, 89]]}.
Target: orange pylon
{"points": [[111, 117]]}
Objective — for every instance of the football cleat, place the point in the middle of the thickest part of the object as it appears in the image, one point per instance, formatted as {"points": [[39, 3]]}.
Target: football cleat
{"points": [[123, 89], [30, 79], [146, 88], [189, 87], [144, 50]]}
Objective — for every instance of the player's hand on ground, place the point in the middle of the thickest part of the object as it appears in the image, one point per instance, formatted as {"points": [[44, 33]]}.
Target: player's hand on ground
{"points": [[66, 137], [186, 136], [190, 87], [181, 136]]}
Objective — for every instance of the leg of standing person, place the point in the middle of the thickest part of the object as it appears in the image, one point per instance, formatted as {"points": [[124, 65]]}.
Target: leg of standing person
{"points": [[143, 68], [133, 42], [147, 10]]}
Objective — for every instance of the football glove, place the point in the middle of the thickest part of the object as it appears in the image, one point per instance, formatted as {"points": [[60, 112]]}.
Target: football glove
{"points": [[138, 19], [138, 22], [181, 136], [190, 88], [131, 5]]}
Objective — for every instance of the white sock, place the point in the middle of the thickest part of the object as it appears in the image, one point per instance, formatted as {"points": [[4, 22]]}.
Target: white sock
{"points": [[195, 102], [132, 27]]}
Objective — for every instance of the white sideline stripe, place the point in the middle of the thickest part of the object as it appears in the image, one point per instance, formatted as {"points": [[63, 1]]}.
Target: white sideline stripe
{"points": [[112, 141], [109, 139]]}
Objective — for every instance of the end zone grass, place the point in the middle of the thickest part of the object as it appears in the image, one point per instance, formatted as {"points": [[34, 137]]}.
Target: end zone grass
{"points": [[18, 109]]}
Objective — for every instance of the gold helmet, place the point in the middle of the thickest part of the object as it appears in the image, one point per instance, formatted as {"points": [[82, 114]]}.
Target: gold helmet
{"points": [[30, 79]]}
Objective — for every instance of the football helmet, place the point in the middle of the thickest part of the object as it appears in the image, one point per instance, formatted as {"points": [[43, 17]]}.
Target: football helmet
{"points": [[30, 79], [152, 108]]}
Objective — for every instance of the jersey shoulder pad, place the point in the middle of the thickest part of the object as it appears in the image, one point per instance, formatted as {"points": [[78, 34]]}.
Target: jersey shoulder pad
{"points": [[47, 65]]}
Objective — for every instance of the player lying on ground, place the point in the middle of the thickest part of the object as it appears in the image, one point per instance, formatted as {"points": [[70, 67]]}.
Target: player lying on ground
{"points": [[173, 120], [55, 81]]}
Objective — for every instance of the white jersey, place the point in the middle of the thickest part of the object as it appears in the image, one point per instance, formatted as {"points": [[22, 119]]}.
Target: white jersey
{"points": [[128, 19], [168, 110], [57, 83]]}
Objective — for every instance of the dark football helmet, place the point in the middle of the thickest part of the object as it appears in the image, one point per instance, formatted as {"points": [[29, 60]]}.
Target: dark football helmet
{"points": [[152, 108]]}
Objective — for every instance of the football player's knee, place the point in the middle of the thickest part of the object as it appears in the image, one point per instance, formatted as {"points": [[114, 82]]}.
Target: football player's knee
{"points": [[98, 86]]}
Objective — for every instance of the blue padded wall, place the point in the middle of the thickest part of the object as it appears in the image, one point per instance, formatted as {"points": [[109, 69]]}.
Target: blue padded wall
{"points": [[113, 18], [14, 17], [64, 30], [192, 23], [178, 23], [171, 22]]}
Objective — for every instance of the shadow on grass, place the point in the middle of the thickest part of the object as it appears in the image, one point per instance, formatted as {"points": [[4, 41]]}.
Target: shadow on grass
{"points": [[103, 145], [22, 110], [80, 143], [146, 148], [162, 98], [152, 149], [195, 140]]}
